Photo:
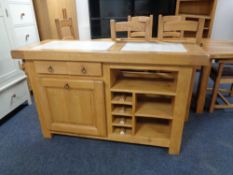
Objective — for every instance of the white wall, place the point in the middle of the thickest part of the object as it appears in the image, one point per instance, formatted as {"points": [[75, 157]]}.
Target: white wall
{"points": [[83, 19], [223, 24]]}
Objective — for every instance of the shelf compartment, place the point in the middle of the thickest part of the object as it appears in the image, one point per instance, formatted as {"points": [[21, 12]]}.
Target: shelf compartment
{"points": [[153, 129], [122, 98], [145, 86], [154, 107], [122, 121], [122, 110], [122, 131]]}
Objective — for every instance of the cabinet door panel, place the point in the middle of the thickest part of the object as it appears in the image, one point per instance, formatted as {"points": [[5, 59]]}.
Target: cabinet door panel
{"points": [[74, 106]]}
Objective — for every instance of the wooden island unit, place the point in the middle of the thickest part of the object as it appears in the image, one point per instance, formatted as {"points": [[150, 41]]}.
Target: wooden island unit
{"points": [[140, 97]]}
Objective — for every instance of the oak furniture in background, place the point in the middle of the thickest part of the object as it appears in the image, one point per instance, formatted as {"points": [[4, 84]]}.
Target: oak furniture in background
{"points": [[49, 10], [65, 27], [217, 50], [196, 9], [174, 28]]}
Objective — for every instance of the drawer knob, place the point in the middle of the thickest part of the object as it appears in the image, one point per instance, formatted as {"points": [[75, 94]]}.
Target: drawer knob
{"points": [[84, 70], [66, 86], [22, 15], [27, 37], [50, 69]]}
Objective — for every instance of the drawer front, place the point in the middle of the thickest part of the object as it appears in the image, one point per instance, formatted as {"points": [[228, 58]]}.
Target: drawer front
{"points": [[12, 97], [85, 69], [49, 67], [69, 68], [25, 35], [21, 14]]}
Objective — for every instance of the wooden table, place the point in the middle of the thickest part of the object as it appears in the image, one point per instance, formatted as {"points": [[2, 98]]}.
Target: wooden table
{"points": [[128, 96], [216, 50]]}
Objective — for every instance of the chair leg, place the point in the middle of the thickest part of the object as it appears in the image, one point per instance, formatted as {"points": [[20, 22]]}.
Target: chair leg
{"points": [[216, 87], [232, 90]]}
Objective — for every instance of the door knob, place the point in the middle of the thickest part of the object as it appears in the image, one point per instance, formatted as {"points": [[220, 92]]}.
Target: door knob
{"points": [[84, 70], [50, 69], [67, 86]]}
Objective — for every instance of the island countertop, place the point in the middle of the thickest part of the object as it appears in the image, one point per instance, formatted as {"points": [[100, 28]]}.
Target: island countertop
{"points": [[194, 55]]}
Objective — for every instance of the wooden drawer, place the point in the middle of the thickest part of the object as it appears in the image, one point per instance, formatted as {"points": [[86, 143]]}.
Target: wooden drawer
{"points": [[13, 97], [26, 35], [69, 68], [21, 14], [85, 69], [50, 67]]}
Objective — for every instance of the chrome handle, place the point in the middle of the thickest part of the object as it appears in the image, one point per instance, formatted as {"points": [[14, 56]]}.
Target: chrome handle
{"points": [[7, 14], [27, 37], [83, 70], [22, 15], [66, 86], [50, 69]]}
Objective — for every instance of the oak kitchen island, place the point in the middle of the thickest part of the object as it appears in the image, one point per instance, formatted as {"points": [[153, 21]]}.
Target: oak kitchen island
{"points": [[128, 92]]}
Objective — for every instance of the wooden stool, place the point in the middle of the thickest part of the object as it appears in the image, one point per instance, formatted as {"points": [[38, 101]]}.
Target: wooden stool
{"points": [[221, 73]]}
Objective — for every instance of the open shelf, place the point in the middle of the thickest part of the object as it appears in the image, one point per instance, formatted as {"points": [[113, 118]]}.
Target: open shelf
{"points": [[195, 16], [155, 107], [122, 110], [122, 98], [146, 86], [122, 121], [122, 131], [153, 128]]}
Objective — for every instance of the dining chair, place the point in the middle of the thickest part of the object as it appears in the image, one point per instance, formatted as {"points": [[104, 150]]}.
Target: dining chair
{"points": [[221, 73], [143, 20], [133, 27], [65, 28], [174, 28]]}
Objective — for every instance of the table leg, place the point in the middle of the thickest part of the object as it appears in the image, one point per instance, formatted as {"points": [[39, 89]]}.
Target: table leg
{"points": [[203, 84]]}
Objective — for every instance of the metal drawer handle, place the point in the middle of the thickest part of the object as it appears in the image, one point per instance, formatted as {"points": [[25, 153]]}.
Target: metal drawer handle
{"points": [[67, 86], [84, 70], [22, 15], [27, 37], [50, 69]]}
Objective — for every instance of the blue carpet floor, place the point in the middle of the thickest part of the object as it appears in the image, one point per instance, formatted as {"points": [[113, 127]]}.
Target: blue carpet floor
{"points": [[207, 149]]}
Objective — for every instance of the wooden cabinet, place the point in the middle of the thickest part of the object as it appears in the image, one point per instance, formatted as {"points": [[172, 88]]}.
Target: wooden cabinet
{"points": [[74, 106]]}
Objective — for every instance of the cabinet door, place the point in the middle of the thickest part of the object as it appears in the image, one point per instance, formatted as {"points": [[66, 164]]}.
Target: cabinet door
{"points": [[74, 106], [7, 64]]}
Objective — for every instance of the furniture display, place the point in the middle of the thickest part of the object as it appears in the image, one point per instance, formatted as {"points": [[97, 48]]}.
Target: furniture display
{"points": [[65, 27], [221, 73], [133, 28], [102, 11], [174, 28], [198, 9], [143, 20], [113, 92], [217, 51], [49, 10], [13, 81]]}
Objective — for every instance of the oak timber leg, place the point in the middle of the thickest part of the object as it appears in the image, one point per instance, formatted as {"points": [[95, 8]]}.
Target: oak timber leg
{"points": [[203, 84], [215, 89], [190, 94], [232, 90], [184, 82], [30, 68]]}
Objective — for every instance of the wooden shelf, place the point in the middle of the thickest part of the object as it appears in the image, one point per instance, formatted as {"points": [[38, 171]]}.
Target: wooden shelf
{"points": [[153, 130], [122, 122], [155, 109], [145, 86], [122, 131], [122, 99], [122, 111], [195, 16]]}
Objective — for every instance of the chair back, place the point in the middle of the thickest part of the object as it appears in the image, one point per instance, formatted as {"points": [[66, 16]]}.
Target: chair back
{"points": [[135, 28], [173, 28], [65, 28], [143, 20]]}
